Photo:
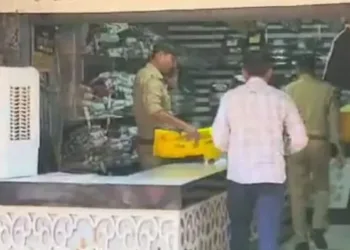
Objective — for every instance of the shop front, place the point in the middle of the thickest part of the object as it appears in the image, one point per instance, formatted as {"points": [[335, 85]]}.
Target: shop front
{"points": [[97, 197]]}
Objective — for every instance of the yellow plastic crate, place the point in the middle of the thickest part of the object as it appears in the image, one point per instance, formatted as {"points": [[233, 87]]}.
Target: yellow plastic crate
{"points": [[345, 123], [172, 144]]}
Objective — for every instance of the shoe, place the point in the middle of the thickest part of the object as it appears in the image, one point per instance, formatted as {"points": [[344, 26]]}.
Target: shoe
{"points": [[317, 237], [302, 246]]}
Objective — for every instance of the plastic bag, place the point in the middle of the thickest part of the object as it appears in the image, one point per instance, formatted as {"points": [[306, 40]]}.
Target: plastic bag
{"points": [[339, 185]]}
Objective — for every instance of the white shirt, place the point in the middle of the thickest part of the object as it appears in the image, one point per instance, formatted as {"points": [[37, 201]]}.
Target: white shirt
{"points": [[251, 125]]}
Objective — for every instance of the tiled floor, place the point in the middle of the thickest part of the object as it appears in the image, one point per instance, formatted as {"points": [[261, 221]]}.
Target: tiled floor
{"points": [[338, 239]]}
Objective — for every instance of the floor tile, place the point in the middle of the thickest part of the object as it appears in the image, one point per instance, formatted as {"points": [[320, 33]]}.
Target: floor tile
{"points": [[338, 239]]}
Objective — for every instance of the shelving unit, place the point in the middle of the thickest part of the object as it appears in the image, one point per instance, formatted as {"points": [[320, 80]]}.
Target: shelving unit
{"points": [[210, 57], [210, 54]]}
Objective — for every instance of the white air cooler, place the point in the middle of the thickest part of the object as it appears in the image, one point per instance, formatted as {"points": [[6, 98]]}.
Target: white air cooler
{"points": [[19, 121]]}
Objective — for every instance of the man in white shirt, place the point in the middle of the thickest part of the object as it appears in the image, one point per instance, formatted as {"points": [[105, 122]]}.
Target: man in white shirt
{"points": [[252, 125]]}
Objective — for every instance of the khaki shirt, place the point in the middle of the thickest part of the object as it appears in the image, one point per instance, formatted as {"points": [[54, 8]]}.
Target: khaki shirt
{"points": [[150, 96], [318, 106]]}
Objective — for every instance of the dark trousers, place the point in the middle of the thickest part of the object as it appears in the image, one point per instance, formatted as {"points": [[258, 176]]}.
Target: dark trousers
{"points": [[265, 203]]}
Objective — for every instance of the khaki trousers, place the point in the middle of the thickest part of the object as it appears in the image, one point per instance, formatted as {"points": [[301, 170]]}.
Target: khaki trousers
{"points": [[146, 158], [308, 177]]}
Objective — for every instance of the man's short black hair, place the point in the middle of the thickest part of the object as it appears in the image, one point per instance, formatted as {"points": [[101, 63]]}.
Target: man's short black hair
{"points": [[257, 63], [307, 63]]}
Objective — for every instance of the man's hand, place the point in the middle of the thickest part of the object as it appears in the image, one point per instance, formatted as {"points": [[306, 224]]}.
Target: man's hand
{"points": [[192, 133]]}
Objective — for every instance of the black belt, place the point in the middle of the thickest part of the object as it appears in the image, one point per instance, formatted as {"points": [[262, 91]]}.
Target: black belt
{"points": [[318, 137]]}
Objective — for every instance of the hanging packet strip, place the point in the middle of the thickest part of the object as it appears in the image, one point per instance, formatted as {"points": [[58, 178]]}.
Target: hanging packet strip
{"points": [[339, 185]]}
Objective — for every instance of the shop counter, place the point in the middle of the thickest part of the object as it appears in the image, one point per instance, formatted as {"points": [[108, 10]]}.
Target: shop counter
{"points": [[173, 207]]}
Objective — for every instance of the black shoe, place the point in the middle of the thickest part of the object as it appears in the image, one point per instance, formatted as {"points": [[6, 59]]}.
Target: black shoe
{"points": [[302, 246], [317, 236]]}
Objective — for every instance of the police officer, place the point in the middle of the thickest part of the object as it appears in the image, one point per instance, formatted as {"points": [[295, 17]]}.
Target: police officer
{"points": [[152, 103], [308, 170]]}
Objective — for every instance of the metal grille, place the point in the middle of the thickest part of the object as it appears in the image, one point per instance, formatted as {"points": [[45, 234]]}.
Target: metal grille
{"points": [[20, 113]]}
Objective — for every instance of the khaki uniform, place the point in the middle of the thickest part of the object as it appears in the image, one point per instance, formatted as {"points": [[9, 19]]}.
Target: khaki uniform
{"points": [[150, 96], [308, 169]]}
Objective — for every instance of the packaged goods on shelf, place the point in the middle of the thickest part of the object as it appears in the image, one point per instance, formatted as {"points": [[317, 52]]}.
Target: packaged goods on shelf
{"points": [[112, 96], [210, 58], [218, 90], [89, 149], [121, 40], [181, 102]]}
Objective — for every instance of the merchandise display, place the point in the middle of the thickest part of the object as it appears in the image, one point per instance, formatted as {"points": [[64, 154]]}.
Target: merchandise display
{"points": [[180, 101], [119, 40], [210, 56], [101, 195], [217, 91], [92, 149], [133, 41], [112, 95]]}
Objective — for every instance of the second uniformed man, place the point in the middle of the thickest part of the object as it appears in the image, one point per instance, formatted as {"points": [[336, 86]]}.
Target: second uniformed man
{"points": [[308, 169], [152, 103]]}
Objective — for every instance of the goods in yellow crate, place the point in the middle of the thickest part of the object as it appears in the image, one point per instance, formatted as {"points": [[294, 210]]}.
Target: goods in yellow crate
{"points": [[345, 123], [173, 144]]}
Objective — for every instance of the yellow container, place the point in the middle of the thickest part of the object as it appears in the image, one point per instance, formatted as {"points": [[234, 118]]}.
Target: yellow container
{"points": [[172, 144], [345, 124]]}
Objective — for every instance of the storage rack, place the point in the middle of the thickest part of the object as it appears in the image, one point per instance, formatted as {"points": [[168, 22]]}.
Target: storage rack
{"points": [[212, 53]]}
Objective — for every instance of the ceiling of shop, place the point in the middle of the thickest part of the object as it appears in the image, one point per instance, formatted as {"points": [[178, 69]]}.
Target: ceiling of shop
{"points": [[331, 11]]}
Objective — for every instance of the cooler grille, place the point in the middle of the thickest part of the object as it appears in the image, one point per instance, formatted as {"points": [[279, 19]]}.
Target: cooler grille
{"points": [[20, 113]]}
